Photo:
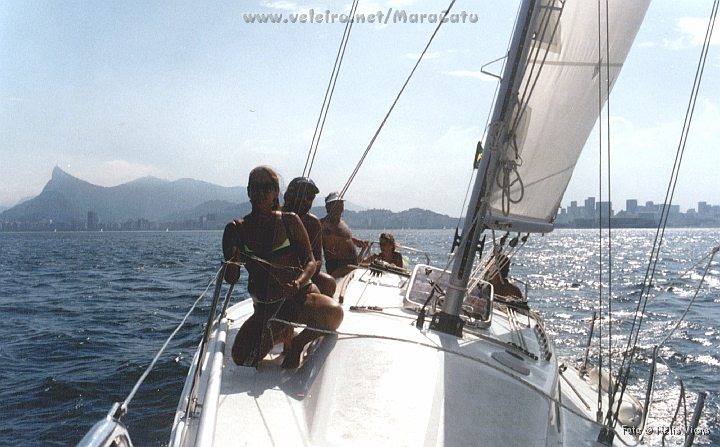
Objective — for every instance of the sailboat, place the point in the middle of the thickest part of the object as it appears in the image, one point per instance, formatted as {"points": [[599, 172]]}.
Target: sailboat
{"points": [[433, 356]]}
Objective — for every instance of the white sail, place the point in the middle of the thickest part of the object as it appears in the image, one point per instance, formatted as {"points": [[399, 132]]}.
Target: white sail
{"points": [[557, 104]]}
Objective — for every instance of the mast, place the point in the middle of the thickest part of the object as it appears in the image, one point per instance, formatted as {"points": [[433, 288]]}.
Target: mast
{"points": [[448, 320]]}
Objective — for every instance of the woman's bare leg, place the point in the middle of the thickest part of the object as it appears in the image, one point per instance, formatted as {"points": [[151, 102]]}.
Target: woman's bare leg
{"points": [[318, 312]]}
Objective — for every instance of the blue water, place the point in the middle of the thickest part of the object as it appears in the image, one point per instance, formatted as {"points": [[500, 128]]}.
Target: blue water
{"points": [[83, 314]]}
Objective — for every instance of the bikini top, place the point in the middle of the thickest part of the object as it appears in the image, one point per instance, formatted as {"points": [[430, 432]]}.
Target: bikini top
{"points": [[285, 244], [268, 251]]}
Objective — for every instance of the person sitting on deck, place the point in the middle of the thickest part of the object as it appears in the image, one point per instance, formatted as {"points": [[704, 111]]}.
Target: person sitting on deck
{"points": [[298, 198], [497, 275], [275, 249], [338, 241], [387, 251], [477, 302]]}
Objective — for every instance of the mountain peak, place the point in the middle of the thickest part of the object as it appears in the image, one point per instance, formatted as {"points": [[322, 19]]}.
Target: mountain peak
{"points": [[61, 179], [58, 173]]}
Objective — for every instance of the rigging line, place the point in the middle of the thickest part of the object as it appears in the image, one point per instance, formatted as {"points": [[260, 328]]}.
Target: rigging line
{"points": [[329, 92], [467, 193], [672, 283], [544, 24], [681, 402], [600, 189], [684, 135], [655, 253], [508, 166], [266, 265], [382, 124], [697, 290], [489, 116], [609, 194], [123, 408], [473, 172]]}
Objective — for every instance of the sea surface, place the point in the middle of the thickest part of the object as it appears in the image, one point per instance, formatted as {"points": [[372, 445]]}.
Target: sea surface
{"points": [[83, 314]]}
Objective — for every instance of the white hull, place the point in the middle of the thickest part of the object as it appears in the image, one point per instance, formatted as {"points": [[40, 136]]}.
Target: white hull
{"points": [[382, 381]]}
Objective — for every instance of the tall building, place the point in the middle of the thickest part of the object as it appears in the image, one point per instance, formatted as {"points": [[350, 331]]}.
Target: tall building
{"points": [[631, 206], [92, 221], [604, 209], [703, 209], [590, 208]]}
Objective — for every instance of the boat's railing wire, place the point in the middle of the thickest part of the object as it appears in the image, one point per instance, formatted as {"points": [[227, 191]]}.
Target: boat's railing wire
{"points": [[120, 409], [209, 327], [624, 370], [123, 407], [415, 250]]}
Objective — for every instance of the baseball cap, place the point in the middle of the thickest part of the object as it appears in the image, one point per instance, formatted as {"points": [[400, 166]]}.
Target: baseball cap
{"points": [[333, 197], [304, 182]]}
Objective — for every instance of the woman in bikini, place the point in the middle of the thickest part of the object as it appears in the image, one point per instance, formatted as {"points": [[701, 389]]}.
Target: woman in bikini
{"points": [[275, 250], [387, 251]]}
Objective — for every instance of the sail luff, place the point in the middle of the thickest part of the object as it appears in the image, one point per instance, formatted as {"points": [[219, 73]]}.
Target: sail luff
{"points": [[534, 140], [552, 122], [477, 208]]}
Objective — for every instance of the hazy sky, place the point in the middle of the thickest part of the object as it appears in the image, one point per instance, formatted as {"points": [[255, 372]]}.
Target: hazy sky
{"points": [[114, 91]]}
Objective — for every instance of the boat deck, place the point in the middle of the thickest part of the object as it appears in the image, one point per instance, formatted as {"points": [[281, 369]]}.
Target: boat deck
{"points": [[382, 381]]}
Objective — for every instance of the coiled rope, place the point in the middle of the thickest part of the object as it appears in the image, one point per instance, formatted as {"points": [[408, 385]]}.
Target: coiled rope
{"points": [[509, 167]]}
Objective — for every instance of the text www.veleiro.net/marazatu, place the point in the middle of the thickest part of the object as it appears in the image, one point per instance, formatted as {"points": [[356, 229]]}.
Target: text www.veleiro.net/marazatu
{"points": [[382, 18]]}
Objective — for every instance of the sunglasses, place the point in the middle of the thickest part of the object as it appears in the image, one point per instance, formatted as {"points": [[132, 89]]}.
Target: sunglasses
{"points": [[300, 194], [263, 187]]}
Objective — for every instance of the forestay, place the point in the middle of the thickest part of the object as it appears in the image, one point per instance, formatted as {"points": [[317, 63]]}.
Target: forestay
{"points": [[557, 104]]}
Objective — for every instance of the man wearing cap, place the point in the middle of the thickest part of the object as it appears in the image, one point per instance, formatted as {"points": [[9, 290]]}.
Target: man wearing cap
{"points": [[338, 241], [298, 199]]}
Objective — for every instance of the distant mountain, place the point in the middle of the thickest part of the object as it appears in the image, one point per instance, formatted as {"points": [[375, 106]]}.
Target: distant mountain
{"points": [[414, 218], [67, 198], [152, 203], [24, 199], [213, 214]]}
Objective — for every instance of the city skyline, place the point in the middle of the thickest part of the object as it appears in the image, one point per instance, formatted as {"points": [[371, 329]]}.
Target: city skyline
{"points": [[591, 213], [681, 207]]}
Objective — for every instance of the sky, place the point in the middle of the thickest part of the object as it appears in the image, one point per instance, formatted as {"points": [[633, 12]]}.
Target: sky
{"points": [[115, 91]]}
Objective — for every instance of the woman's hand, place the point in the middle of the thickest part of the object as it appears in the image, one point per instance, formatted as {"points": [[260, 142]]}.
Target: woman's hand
{"points": [[294, 286], [232, 273]]}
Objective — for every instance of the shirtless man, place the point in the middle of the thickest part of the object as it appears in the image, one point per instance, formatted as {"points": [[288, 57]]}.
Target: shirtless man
{"points": [[298, 199], [497, 275], [338, 241]]}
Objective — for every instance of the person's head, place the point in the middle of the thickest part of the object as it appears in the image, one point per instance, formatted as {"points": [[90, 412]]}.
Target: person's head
{"points": [[387, 242], [299, 195], [264, 185], [502, 265], [334, 204]]}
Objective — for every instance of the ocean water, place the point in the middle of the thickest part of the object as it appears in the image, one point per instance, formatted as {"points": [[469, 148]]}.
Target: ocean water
{"points": [[83, 314]]}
